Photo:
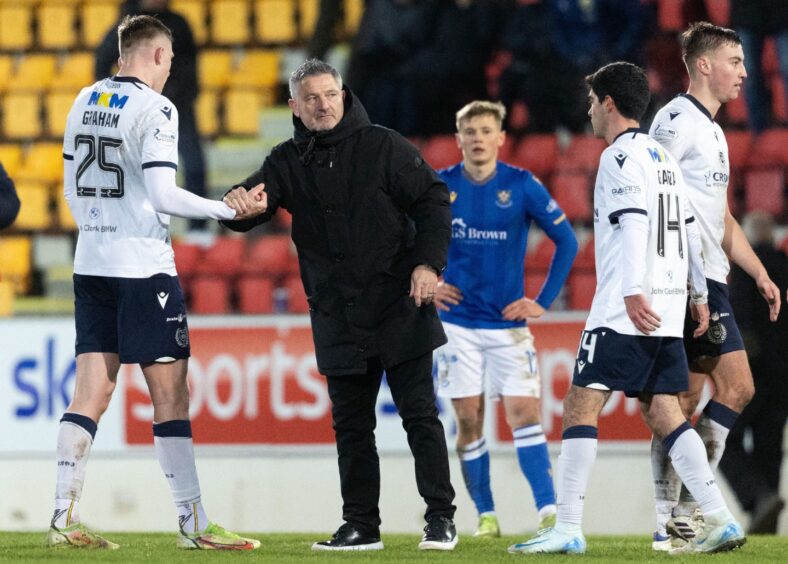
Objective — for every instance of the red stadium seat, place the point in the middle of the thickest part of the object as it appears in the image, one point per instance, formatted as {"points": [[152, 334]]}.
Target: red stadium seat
{"points": [[719, 11], [582, 286], [770, 61], [506, 151], [779, 99], [736, 110], [771, 148], [540, 257], [269, 255], [764, 190], [670, 14], [739, 147], [187, 257], [441, 151], [534, 282], [572, 191], [296, 297], [582, 154], [255, 294], [585, 259], [224, 258], [210, 294], [537, 153]]}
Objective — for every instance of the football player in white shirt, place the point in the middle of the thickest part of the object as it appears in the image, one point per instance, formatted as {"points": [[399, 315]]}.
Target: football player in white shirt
{"points": [[646, 249], [120, 156], [685, 126]]}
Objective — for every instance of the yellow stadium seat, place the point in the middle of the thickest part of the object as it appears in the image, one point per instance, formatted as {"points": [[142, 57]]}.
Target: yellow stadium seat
{"points": [[34, 211], [214, 67], [34, 73], [6, 70], [307, 10], [208, 113], [56, 25], [15, 261], [57, 106], [353, 11], [195, 13], [21, 116], [11, 157], [64, 218], [16, 26], [230, 22], [6, 298], [75, 73], [43, 162], [258, 68], [97, 19], [242, 111], [275, 21]]}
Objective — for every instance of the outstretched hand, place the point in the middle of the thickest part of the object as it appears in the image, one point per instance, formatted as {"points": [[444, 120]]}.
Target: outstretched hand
{"points": [[522, 309], [247, 203]]}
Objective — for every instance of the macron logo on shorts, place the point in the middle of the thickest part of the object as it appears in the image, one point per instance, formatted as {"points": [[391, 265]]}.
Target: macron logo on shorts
{"points": [[162, 299]]}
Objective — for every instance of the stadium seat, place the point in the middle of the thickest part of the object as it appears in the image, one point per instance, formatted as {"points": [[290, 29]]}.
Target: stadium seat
{"points": [[242, 111], [296, 296], [534, 280], [764, 190], [21, 116], [230, 22], [441, 151], [75, 73], [64, 218], [585, 259], [225, 257], [16, 26], [43, 162], [572, 191], [209, 295], [214, 67], [582, 155], [540, 256], [34, 212], [17, 261], [255, 294], [506, 151], [195, 13], [739, 147], [353, 11], [537, 153], [57, 25], [779, 99], [736, 111], [307, 17], [208, 113], [6, 70], [259, 68], [97, 19], [34, 73], [770, 148], [187, 258], [11, 157], [582, 285], [270, 255], [770, 62], [719, 12], [275, 21], [57, 106], [670, 15]]}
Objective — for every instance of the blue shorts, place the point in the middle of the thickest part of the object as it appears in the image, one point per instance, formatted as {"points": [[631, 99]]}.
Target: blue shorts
{"points": [[723, 335], [139, 319], [631, 363]]}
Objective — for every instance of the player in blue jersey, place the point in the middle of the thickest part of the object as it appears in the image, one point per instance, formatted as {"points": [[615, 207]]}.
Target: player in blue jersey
{"points": [[484, 309]]}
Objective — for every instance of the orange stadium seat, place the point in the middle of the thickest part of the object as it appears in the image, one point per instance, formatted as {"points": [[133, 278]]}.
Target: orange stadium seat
{"points": [[770, 148], [296, 296], [582, 286], [259, 68], [581, 155], [196, 14], [572, 191], [97, 17], [16, 25], [21, 116], [11, 157], [255, 294], [269, 255], [353, 11], [44, 162], [34, 210], [765, 190], [214, 67], [34, 73], [307, 17], [57, 106], [230, 22], [209, 294], [17, 262], [225, 257], [64, 218], [441, 151], [275, 21], [208, 113], [57, 25], [242, 111], [739, 147], [537, 153], [75, 73]]}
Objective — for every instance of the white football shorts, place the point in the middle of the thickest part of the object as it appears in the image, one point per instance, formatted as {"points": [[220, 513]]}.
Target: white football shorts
{"points": [[503, 359]]}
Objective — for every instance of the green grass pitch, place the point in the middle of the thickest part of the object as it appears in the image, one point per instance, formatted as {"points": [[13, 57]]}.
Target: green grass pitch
{"points": [[153, 548]]}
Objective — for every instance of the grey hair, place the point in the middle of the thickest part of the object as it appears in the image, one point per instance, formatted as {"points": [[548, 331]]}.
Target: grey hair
{"points": [[312, 67]]}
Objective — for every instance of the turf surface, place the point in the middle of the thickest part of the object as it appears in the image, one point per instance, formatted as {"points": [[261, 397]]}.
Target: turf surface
{"points": [[154, 548]]}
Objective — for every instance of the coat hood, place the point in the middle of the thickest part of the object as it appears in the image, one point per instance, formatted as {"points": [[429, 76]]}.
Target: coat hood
{"points": [[354, 119]]}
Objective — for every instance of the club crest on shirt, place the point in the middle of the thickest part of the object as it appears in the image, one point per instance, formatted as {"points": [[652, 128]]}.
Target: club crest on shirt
{"points": [[504, 198], [452, 196]]}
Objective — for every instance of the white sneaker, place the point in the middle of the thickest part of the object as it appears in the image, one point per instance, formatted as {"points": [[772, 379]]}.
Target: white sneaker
{"points": [[715, 538], [685, 527], [665, 543], [551, 540]]}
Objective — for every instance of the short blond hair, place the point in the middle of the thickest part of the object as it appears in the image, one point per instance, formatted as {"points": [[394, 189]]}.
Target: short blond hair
{"points": [[482, 108]]}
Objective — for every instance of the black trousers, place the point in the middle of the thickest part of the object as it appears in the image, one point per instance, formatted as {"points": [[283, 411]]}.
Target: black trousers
{"points": [[353, 410]]}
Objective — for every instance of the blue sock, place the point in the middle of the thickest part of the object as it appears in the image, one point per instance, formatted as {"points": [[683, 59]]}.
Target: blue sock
{"points": [[475, 464], [531, 445]]}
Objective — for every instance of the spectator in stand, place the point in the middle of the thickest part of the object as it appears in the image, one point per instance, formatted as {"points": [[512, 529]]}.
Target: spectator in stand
{"points": [[9, 201], [754, 21], [181, 88], [754, 473]]}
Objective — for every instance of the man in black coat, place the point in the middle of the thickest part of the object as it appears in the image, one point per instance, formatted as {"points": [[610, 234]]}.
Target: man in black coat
{"points": [[372, 224], [9, 201]]}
